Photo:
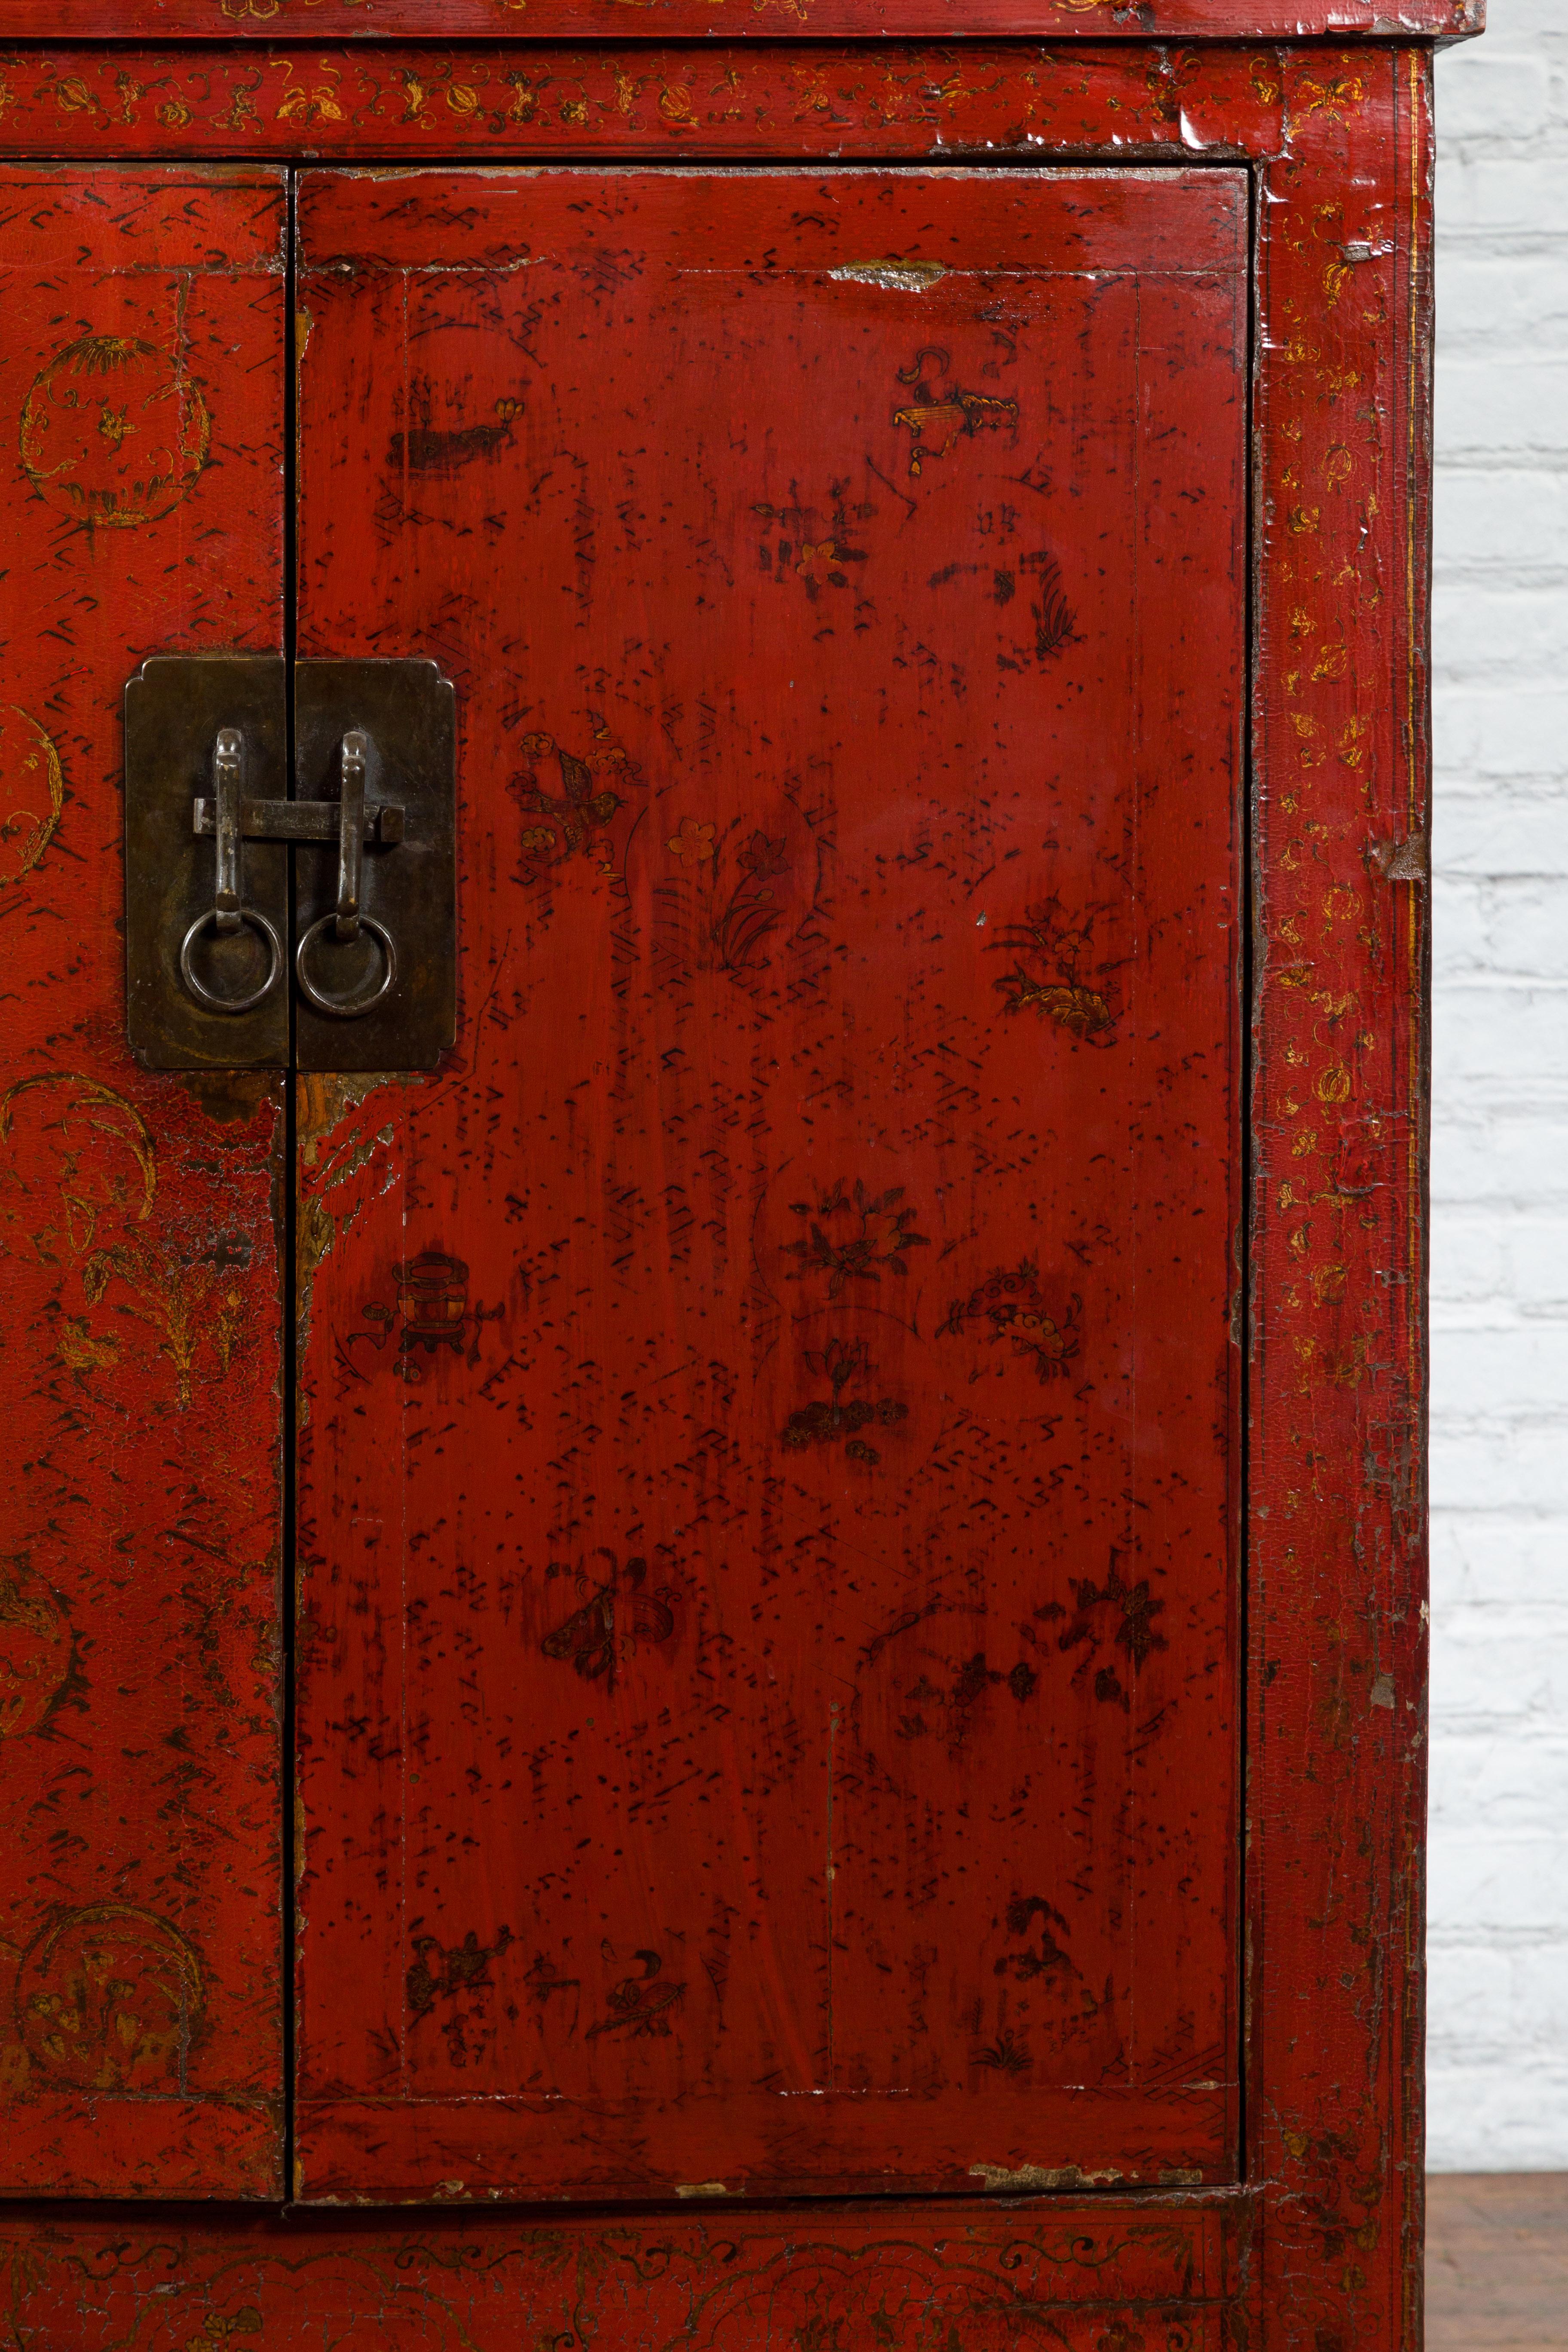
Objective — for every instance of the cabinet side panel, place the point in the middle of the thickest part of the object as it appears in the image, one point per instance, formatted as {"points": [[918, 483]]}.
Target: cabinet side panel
{"points": [[140, 512], [1338, 1466]]}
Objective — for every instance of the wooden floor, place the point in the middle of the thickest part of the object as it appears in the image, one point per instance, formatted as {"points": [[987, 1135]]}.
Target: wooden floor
{"points": [[1497, 2262]]}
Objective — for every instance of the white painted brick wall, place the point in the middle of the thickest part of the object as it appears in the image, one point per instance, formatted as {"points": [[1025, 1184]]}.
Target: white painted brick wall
{"points": [[1498, 2069]]}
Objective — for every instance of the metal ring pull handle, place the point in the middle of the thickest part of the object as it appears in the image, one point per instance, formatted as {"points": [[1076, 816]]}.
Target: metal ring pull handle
{"points": [[198, 988], [350, 1006], [347, 922], [228, 913]]}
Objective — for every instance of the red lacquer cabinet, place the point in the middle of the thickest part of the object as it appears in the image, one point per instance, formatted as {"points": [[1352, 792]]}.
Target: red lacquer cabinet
{"points": [[712, 1173]]}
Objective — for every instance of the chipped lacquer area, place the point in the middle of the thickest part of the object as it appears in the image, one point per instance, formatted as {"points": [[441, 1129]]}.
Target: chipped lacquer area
{"points": [[1086, 2277], [1067, 21], [139, 1264], [769, 1467]]}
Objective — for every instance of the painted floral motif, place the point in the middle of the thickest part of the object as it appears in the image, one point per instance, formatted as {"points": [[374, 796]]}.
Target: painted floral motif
{"points": [[825, 1421], [938, 414], [109, 1998], [946, 1708], [371, 2300], [1055, 624], [693, 844], [114, 432], [573, 822], [904, 2297], [1051, 971], [1115, 1616], [194, 1305], [979, 2287], [812, 544], [1018, 1308], [884, 1235], [742, 925], [1005, 2055], [739, 911]]}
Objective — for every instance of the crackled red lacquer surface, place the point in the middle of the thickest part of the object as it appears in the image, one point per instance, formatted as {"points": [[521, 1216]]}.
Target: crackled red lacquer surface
{"points": [[140, 512], [767, 1703], [767, 1471]]}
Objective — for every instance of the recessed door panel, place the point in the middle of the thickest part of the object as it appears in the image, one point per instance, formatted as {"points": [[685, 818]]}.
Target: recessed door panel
{"points": [[768, 1457], [143, 369]]}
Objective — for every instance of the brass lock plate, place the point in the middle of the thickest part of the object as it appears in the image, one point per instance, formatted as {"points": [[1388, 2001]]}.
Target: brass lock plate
{"points": [[348, 964]]}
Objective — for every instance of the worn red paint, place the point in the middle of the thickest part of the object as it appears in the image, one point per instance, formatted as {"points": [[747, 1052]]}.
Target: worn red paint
{"points": [[1071, 2271], [1338, 139], [1337, 1544], [1062, 22], [140, 379], [787, 1634], [784, 1624]]}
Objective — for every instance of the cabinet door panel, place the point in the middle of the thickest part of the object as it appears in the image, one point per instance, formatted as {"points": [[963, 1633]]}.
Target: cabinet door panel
{"points": [[768, 1473], [141, 375]]}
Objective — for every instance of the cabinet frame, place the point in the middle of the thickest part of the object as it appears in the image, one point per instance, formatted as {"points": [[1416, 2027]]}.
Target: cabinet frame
{"points": [[1324, 2228]]}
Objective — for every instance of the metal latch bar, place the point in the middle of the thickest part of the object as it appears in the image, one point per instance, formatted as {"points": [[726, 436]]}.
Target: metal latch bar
{"points": [[299, 820]]}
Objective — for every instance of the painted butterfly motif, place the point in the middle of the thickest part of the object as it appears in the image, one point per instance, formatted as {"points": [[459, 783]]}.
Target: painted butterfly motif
{"points": [[611, 1621]]}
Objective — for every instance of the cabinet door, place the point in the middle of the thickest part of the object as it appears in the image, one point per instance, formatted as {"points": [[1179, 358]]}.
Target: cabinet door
{"points": [[142, 378], [769, 1457]]}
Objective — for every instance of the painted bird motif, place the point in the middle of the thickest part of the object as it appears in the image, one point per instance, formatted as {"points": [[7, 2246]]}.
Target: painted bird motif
{"points": [[936, 418]]}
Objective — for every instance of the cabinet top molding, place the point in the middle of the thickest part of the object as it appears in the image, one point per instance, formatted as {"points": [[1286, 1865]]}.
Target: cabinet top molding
{"points": [[622, 20]]}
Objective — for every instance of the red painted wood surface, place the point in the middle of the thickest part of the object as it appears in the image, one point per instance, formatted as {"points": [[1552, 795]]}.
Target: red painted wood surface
{"points": [[140, 2021], [1076, 2274], [1337, 1557], [768, 1711], [710, 21], [990, 100], [1336, 1666], [407, 102]]}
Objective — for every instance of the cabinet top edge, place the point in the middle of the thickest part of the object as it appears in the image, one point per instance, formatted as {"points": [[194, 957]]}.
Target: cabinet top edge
{"points": [[628, 21]]}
